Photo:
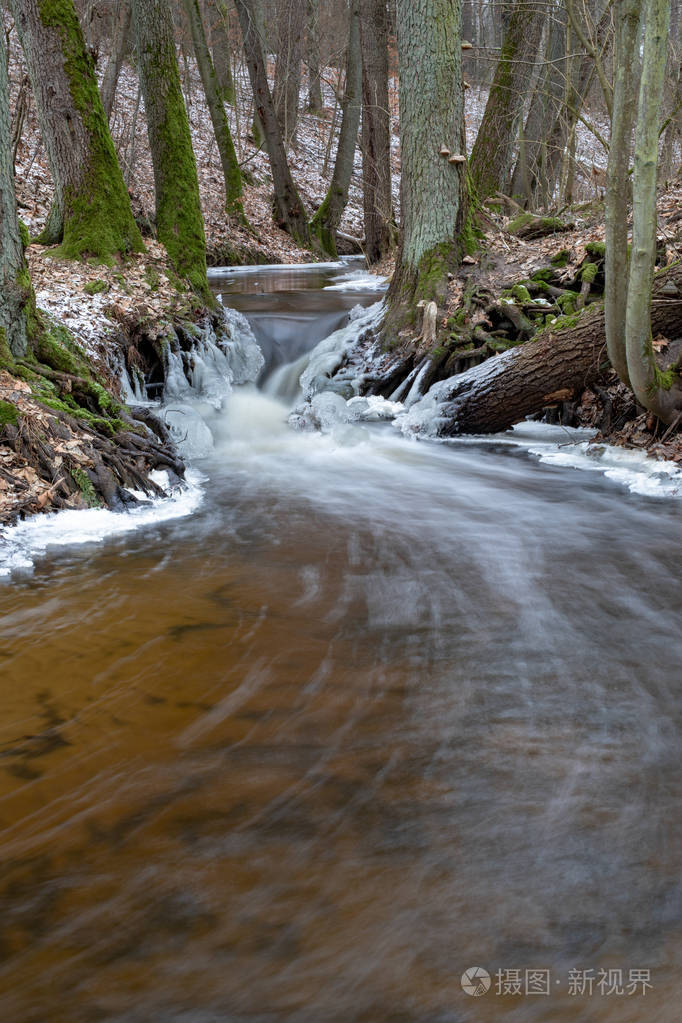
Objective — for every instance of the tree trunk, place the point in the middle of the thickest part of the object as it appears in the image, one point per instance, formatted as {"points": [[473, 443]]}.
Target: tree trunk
{"points": [[91, 205], [377, 197], [119, 48], [658, 392], [179, 221], [289, 208], [618, 188], [433, 189], [312, 49], [220, 41], [491, 156], [524, 380], [291, 16], [14, 282], [565, 123], [327, 219], [530, 176], [221, 127]]}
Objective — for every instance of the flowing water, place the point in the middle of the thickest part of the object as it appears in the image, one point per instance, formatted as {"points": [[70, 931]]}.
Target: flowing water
{"points": [[378, 712]]}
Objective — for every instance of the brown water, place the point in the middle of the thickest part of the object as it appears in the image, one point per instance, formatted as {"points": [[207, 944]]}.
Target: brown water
{"points": [[372, 716]]}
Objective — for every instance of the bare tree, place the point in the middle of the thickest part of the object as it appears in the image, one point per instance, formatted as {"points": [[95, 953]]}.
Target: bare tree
{"points": [[376, 131], [289, 208], [291, 17]]}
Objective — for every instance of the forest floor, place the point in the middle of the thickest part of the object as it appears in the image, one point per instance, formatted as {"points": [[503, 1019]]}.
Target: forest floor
{"points": [[97, 302]]}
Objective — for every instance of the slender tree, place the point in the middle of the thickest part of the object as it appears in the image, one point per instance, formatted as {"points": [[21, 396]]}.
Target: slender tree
{"points": [[618, 182], [376, 131], [291, 17], [119, 48], [312, 50], [14, 282], [91, 213], [328, 217], [289, 209], [179, 219], [221, 52], [491, 156], [433, 186], [221, 128], [660, 392]]}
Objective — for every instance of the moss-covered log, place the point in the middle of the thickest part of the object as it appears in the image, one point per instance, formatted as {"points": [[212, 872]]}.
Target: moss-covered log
{"points": [[562, 359]]}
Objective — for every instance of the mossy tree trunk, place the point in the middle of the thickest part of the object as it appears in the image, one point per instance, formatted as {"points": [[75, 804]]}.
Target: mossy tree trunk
{"points": [[659, 392], [618, 186], [91, 210], [179, 221], [377, 197], [119, 48], [221, 128], [291, 17], [491, 156], [433, 190], [14, 283], [289, 209], [327, 219]]}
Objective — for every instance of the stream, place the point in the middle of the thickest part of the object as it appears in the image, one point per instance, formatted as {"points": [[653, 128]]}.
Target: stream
{"points": [[376, 713]]}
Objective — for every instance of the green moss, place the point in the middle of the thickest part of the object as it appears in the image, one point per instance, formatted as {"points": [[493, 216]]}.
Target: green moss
{"points": [[561, 258], [179, 219], [152, 278], [98, 220], [588, 273], [25, 236], [6, 357], [565, 321], [521, 294], [664, 379], [84, 484], [95, 287], [545, 274], [9, 414], [567, 302], [546, 225], [596, 249]]}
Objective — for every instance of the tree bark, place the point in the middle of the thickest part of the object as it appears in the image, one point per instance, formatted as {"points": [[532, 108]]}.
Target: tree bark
{"points": [[91, 208], [377, 197], [221, 127], [327, 219], [289, 208], [618, 187], [290, 36], [524, 380], [433, 189], [658, 392], [491, 156], [312, 49], [119, 49], [179, 220], [220, 41], [530, 174], [14, 283]]}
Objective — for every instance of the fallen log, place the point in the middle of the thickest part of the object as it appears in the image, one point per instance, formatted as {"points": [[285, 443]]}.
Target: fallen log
{"points": [[522, 381]]}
